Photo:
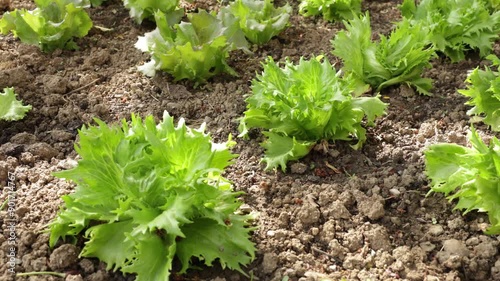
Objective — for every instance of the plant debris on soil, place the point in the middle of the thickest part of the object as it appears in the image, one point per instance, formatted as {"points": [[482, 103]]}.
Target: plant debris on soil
{"points": [[338, 213]]}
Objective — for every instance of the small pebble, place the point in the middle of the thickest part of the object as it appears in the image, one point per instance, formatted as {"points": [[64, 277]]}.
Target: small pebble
{"points": [[314, 231], [298, 168], [394, 192], [435, 230]]}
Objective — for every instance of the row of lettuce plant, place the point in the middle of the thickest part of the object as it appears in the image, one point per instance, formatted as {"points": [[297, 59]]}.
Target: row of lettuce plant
{"points": [[287, 102], [169, 198], [297, 105], [451, 28], [470, 175]]}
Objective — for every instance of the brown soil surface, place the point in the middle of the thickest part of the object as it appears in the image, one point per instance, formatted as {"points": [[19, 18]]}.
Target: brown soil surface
{"points": [[371, 221]]}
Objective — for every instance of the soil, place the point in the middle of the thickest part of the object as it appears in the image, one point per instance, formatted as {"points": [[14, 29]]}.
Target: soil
{"points": [[342, 215]]}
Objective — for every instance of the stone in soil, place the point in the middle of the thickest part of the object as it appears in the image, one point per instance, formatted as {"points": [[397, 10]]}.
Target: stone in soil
{"points": [[63, 257], [453, 253]]}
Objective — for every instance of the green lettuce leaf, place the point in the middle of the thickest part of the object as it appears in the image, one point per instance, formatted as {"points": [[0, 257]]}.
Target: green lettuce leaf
{"points": [[301, 104], [153, 257], [399, 58], [208, 240], [281, 148], [109, 243], [52, 25], [455, 26], [483, 89], [195, 50], [10, 108], [259, 20], [144, 190], [332, 10], [469, 175], [145, 9]]}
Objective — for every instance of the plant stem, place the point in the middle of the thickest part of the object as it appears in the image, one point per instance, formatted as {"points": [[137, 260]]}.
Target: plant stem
{"points": [[4, 204]]}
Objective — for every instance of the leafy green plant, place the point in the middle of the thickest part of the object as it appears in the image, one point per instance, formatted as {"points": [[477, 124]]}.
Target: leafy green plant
{"points": [[145, 9], [455, 26], [483, 89], [195, 50], [52, 25], [301, 104], [400, 58], [471, 174], [147, 193], [10, 108], [332, 10], [259, 20]]}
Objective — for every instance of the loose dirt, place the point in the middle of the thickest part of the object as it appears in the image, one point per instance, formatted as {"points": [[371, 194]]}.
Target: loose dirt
{"points": [[342, 215]]}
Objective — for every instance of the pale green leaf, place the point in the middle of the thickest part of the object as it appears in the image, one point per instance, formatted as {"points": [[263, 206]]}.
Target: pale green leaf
{"points": [[145, 9], [109, 243], [153, 257], [208, 240], [10, 108], [281, 149]]}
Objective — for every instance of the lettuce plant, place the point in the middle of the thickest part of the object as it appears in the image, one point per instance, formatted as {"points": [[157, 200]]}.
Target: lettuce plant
{"points": [[299, 105], [483, 89], [146, 193], [455, 26], [194, 50], [10, 108], [52, 25], [259, 20], [332, 10], [470, 174], [399, 58], [145, 9]]}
